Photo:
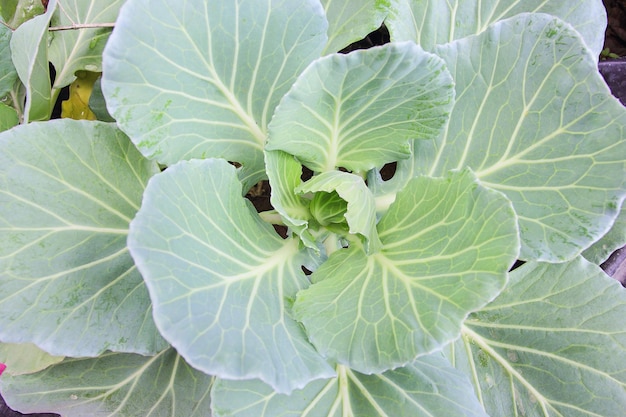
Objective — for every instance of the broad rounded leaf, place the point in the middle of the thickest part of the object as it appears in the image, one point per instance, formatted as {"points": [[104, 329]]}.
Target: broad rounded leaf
{"points": [[80, 49], [436, 22], [113, 385], [447, 246], [428, 387], [68, 191], [195, 79], [359, 111], [222, 281], [535, 120], [351, 20], [552, 344]]}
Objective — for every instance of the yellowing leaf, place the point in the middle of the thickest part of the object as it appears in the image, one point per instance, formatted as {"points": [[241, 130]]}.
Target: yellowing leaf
{"points": [[77, 105]]}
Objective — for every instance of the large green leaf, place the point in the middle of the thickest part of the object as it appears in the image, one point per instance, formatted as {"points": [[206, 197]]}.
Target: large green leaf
{"points": [[195, 79], [436, 22], [535, 120], [552, 344], [351, 20], [359, 111], [68, 191], [80, 49], [222, 281], [447, 246], [427, 387], [8, 117], [16, 12], [8, 75], [113, 385], [614, 239], [29, 52]]}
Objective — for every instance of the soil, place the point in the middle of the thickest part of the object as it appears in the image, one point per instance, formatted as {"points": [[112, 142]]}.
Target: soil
{"points": [[615, 41]]}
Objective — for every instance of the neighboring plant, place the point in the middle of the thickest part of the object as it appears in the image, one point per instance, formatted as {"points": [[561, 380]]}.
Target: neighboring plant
{"points": [[129, 248]]}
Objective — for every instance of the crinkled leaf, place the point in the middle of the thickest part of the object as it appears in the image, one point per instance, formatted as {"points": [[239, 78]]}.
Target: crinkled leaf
{"points": [[447, 246], [80, 49], [193, 79], [614, 239], [361, 207], [113, 385], [552, 344], [29, 52], [25, 358], [221, 280], [359, 111], [535, 120], [68, 191], [427, 387], [8, 75], [351, 20], [436, 22]]}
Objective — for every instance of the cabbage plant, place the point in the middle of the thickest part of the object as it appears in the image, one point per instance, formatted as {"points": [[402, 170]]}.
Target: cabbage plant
{"points": [[136, 279]]}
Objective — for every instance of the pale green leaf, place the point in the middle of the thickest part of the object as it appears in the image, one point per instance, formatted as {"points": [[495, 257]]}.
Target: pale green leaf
{"points": [[447, 246], [436, 22], [16, 12], [360, 213], [613, 240], [221, 280], [195, 79], [428, 387], [80, 49], [8, 117], [535, 120], [68, 191], [29, 52], [552, 344], [113, 385], [25, 358], [8, 75], [97, 104], [359, 111], [351, 20]]}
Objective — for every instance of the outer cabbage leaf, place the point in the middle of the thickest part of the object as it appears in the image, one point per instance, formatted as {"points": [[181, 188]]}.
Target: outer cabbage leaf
{"points": [[25, 358], [427, 387], [195, 79], [29, 52], [113, 385], [8, 75], [552, 344], [447, 246], [359, 111], [613, 240], [435, 22], [221, 280], [68, 191], [535, 120], [351, 20], [81, 49]]}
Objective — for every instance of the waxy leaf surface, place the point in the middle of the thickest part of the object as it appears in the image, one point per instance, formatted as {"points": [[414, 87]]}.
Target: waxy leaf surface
{"points": [[535, 120], [80, 49], [425, 388], [222, 281], [194, 79], [436, 22], [8, 75], [113, 385], [68, 191], [359, 111], [351, 20], [552, 344], [25, 358], [447, 245]]}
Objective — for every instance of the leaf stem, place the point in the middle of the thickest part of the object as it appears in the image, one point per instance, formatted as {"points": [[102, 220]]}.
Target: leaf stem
{"points": [[81, 26]]}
